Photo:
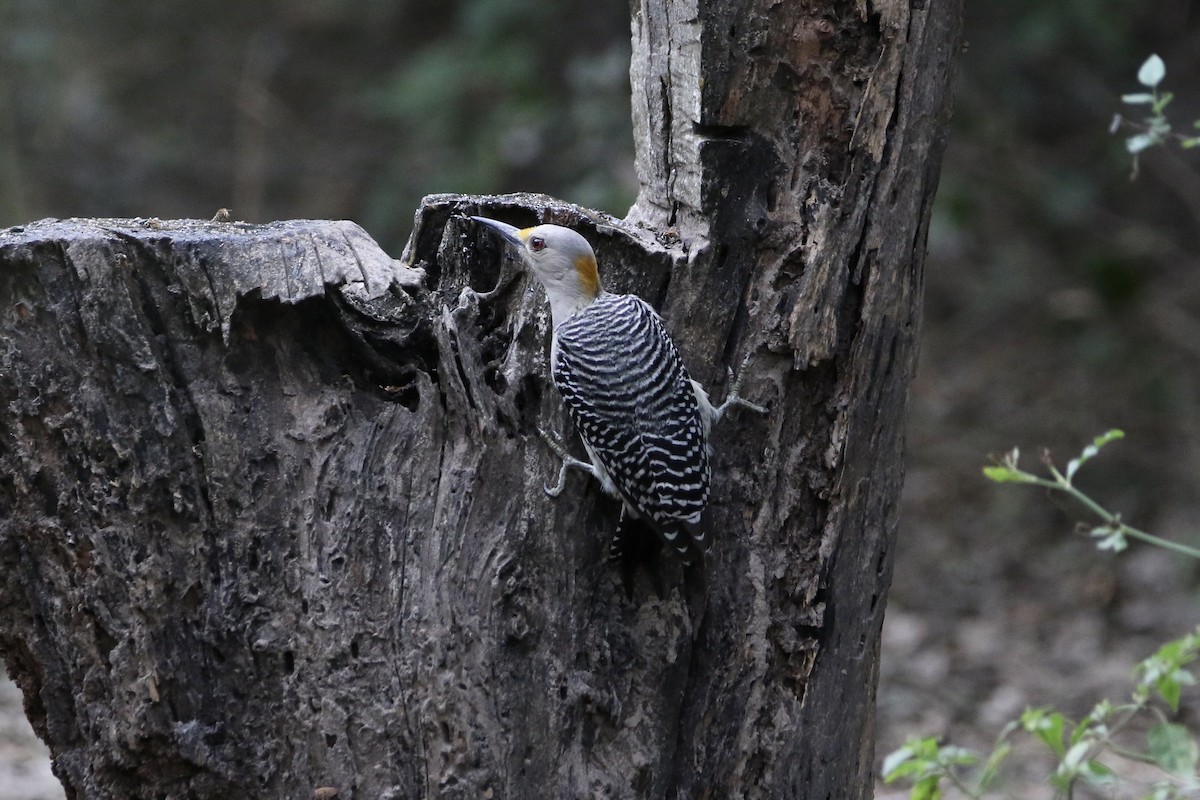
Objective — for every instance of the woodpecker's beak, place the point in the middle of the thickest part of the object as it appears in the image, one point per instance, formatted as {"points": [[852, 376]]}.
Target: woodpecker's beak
{"points": [[509, 232]]}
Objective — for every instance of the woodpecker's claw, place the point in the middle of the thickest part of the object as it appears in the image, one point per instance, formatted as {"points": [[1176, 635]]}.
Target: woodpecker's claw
{"points": [[556, 489], [568, 462], [733, 398]]}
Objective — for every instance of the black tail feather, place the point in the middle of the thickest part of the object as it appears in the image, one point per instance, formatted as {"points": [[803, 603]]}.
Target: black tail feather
{"points": [[635, 546]]}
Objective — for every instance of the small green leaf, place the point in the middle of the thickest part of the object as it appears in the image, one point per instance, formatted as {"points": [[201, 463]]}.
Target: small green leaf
{"points": [[920, 757], [1164, 671], [1171, 689], [992, 766], [1143, 141], [927, 789], [957, 756], [1152, 72], [1001, 474], [1111, 538], [1047, 726], [1091, 450], [1173, 748], [1141, 98], [1087, 727], [895, 763], [1098, 773], [1007, 471], [923, 761], [1073, 759], [1102, 711]]}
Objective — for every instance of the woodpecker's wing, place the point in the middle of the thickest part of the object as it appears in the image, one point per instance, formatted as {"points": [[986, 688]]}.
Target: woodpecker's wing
{"points": [[625, 388]]}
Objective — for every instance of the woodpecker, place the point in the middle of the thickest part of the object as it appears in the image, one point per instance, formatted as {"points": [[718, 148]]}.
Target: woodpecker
{"points": [[644, 422]]}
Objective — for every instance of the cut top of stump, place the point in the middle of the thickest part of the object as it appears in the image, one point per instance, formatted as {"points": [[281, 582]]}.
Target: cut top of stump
{"points": [[288, 261]]}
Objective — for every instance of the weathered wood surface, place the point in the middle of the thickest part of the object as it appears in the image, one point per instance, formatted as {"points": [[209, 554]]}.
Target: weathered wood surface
{"points": [[796, 148], [271, 508], [276, 517]]}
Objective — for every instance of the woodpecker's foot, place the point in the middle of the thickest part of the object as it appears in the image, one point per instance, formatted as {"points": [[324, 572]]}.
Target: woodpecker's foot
{"points": [[568, 462], [733, 398], [556, 489]]}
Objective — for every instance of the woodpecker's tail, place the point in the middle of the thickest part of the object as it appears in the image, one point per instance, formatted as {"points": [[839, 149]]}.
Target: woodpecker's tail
{"points": [[635, 546], [637, 539]]}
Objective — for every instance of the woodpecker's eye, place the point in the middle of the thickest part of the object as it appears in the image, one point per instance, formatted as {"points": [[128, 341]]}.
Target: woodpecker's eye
{"points": [[537, 244]]}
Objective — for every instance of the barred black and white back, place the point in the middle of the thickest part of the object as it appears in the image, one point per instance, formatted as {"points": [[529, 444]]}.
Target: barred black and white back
{"points": [[626, 389]]}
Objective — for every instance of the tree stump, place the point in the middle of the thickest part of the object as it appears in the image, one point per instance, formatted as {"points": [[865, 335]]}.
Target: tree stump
{"points": [[272, 516]]}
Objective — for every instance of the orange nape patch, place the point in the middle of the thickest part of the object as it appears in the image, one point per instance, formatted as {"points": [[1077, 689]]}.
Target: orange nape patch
{"points": [[589, 276]]}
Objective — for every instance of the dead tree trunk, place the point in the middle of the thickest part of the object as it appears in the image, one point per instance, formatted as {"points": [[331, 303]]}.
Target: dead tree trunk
{"points": [[271, 509]]}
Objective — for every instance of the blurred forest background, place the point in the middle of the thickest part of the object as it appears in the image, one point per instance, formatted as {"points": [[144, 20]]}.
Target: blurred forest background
{"points": [[1062, 298]]}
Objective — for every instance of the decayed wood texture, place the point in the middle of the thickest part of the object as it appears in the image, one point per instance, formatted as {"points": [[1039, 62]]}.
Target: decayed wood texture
{"points": [[271, 509], [796, 148]]}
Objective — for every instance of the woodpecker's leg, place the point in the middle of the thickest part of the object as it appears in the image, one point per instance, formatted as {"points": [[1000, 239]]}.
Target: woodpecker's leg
{"points": [[568, 462], [733, 398]]}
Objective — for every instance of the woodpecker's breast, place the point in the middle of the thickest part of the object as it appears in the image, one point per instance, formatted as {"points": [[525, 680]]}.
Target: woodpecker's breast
{"points": [[626, 389]]}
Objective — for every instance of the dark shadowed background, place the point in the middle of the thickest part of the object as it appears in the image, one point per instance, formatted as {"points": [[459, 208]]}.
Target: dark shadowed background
{"points": [[1062, 298]]}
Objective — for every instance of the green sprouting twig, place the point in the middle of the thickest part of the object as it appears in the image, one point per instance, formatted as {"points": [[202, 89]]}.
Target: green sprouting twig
{"points": [[1112, 531], [1154, 128], [1078, 747]]}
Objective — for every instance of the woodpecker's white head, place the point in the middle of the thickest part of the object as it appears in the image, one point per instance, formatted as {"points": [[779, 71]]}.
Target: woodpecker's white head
{"points": [[560, 258]]}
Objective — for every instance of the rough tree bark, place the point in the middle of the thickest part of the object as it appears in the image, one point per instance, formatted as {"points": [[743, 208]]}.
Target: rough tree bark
{"points": [[271, 509]]}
